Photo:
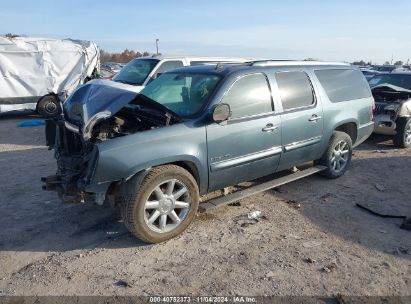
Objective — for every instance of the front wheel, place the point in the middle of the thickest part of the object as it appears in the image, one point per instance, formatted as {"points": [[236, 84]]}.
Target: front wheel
{"points": [[161, 204], [337, 158], [403, 137]]}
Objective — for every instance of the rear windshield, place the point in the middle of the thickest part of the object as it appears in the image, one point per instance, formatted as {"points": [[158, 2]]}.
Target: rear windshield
{"points": [[136, 71], [343, 84]]}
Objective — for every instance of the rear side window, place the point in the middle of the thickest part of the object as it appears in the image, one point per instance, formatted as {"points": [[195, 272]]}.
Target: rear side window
{"points": [[249, 95], [343, 84], [295, 90]]}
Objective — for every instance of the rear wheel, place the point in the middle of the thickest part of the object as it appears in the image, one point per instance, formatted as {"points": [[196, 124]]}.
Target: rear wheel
{"points": [[403, 137], [337, 158], [160, 205], [49, 106]]}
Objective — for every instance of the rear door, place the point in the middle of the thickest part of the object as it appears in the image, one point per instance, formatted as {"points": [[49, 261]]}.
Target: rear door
{"points": [[301, 118], [248, 145]]}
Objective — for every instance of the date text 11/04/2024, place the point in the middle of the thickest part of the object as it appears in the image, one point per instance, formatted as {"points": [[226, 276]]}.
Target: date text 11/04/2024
{"points": [[203, 299]]}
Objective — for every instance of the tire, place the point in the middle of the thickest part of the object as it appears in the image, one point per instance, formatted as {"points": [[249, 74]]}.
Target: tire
{"points": [[156, 216], [403, 137], [338, 156], [49, 106]]}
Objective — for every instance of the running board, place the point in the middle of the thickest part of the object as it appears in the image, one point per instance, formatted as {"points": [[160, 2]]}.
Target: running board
{"points": [[213, 204]]}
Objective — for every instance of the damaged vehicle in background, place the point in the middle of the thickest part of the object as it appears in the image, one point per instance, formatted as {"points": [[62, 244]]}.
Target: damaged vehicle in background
{"points": [[199, 129], [37, 74], [392, 94]]}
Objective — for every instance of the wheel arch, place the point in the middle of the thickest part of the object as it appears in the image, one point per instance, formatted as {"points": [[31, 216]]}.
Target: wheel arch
{"points": [[48, 94], [188, 165], [350, 128]]}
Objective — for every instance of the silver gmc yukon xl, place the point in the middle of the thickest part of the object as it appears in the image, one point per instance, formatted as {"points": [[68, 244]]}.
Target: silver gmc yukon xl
{"points": [[199, 129]]}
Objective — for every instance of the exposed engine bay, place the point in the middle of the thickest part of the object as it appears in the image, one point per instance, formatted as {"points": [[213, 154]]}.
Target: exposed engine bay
{"points": [[94, 115], [393, 98], [127, 121], [76, 147]]}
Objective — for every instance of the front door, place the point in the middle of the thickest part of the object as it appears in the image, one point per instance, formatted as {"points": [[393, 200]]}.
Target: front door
{"points": [[248, 145], [301, 118]]}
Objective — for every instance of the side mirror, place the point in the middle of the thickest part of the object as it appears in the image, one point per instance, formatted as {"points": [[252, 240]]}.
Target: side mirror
{"points": [[221, 112]]}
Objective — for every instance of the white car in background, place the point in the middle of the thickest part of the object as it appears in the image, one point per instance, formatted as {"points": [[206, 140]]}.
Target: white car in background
{"points": [[136, 74], [98, 95]]}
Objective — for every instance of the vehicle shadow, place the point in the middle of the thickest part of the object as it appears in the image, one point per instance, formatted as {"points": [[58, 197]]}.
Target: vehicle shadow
{"points": [[378, 142], [381, 184], [36, 220]]}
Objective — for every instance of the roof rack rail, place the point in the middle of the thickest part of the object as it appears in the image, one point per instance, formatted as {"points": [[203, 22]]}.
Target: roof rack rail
{"points": [[293, 62]]}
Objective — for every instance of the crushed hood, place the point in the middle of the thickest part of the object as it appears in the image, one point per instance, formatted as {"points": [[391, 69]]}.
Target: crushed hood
{"points": [[102, 95]]}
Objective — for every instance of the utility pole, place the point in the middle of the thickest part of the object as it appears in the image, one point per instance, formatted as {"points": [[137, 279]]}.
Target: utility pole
{"points": [[157, 40]]}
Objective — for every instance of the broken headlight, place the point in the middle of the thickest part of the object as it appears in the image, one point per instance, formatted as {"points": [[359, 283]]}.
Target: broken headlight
{"points": [[88, 128]]}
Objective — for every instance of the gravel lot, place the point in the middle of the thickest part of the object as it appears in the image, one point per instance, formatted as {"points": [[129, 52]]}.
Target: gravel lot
{"points": [[314, 240]]}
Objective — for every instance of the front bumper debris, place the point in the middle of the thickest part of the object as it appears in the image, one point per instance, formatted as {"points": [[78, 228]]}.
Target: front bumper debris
{"points": [[76, 162]]}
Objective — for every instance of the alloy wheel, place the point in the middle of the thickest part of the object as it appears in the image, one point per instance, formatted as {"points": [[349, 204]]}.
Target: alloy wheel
{"points": [[339, 156], [167, 206]]}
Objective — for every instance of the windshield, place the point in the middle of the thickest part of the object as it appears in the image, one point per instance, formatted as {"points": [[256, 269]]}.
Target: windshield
{"points": [[184, 94], [399, 80], [136, 71]]}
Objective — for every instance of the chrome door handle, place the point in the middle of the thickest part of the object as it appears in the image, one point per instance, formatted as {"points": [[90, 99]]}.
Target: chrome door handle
{"points": [[269, 128], [315, 118]]}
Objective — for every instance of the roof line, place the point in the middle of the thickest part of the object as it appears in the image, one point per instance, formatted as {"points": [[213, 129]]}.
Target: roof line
{"points": [[293, 62]]}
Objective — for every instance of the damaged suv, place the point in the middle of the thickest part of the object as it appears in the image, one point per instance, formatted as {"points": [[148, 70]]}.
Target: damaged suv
{"points": [[198, 129], [392, 93]]}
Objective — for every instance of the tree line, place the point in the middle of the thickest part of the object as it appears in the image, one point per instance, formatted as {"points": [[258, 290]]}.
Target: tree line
{"points": [[123, 57], [363, 63]]}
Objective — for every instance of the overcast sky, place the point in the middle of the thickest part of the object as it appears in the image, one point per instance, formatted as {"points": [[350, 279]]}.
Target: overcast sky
{"points": [[328, 30]]}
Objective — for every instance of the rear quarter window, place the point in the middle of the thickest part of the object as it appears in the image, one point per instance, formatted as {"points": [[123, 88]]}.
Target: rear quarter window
{"points": [[343, 84], [295, 90]]}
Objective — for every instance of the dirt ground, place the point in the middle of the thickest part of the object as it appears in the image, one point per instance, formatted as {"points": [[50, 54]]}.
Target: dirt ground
{"points": [[314, 240]]}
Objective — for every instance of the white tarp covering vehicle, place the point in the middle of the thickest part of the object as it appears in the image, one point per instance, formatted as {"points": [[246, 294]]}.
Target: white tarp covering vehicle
{"points": [[38, 73]]}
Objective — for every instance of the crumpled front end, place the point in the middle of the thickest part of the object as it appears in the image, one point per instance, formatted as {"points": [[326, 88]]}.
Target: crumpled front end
{"points": [[385, 117], [76, 163], [93, 115], [391, 102]]}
